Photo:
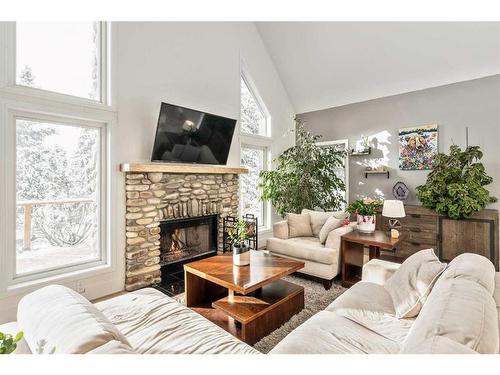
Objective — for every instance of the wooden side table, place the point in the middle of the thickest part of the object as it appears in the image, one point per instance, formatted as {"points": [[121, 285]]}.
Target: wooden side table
{"points": [[358, 248]]}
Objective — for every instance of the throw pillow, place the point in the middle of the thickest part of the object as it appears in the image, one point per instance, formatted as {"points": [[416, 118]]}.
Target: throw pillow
{"points": [[331, 224], [319, 218], [299, 225], [412, 282]]}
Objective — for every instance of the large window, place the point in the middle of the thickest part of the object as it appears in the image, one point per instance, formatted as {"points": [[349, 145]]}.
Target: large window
{"points": [[254, 123], [253, 158], [55, 128], [253, 117], [63, 57], [57, 195]]}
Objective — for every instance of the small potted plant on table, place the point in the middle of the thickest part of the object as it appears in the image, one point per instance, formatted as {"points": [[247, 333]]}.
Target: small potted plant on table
{"points": [[365, 211], [238, 236]]}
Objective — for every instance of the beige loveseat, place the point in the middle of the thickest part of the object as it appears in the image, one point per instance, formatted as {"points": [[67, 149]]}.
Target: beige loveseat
{"points": [[321, 260], [459, 316], [57, 320]]}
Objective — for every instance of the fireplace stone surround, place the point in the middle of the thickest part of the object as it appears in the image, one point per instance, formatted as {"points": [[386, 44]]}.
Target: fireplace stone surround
{"points": [[160, 192]]}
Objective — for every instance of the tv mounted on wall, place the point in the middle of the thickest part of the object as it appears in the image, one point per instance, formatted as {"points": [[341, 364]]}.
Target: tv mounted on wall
{"points": [[185, 135]]}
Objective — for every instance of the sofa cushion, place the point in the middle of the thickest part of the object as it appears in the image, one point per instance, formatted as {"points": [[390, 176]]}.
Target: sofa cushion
{"points": [[330, 333], [370, 305], [155, 323], [473, 267], [113, 347], [439, 345], [378, 271], [411, 283], [330, 224], [299, 225], [307, 248], [319, 218], [56, 319], [459, 308]]}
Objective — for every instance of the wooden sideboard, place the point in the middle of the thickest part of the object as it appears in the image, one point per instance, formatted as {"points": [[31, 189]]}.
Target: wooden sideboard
{"points": [[424, 228]]}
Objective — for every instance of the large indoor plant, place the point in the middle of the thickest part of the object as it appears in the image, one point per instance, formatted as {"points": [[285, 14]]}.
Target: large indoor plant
{"points": [[455, 187], [304, 176], [365, 213]]}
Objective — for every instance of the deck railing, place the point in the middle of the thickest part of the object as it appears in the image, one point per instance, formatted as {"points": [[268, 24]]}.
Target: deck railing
{"points": [[28, 214]]}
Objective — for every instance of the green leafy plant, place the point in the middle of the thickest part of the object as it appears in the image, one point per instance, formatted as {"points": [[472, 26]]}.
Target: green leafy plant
{"points": [[305, 176], [8, 343], [455, 187], [239, 234], [364, 207]]}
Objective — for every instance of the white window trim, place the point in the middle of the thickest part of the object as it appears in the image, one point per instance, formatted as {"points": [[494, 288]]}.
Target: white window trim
{"points": [[69, 109], [345, 143], [266, 207], [12, 278], [8, 83], [258, 98], [261, 142]]}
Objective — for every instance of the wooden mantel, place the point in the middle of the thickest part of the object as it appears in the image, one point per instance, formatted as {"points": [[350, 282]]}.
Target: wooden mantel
{"points": [[180, 168]]}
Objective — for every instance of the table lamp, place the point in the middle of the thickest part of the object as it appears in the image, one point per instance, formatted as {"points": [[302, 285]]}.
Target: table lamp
{"points": [[394, 209]]}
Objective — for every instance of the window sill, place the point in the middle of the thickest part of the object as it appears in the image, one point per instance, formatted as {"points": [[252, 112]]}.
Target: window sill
{"points": [[21, 92], [27, 286]]}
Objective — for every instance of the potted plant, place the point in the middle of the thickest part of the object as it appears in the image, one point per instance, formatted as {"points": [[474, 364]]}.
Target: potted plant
{"points": [[455, 187], [238, 236], [8, 343], [365, 211], [304, 176]]}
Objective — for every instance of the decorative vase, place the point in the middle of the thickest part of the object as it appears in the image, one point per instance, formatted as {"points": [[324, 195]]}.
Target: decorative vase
{"points": [[241, 255], [366, 223]]}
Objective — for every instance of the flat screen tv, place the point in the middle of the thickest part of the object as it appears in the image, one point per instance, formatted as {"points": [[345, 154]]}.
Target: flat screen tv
{"points": [[185, 135]]}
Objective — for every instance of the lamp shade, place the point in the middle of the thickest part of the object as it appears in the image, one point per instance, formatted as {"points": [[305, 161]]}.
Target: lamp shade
{"points": [[393, 208]]}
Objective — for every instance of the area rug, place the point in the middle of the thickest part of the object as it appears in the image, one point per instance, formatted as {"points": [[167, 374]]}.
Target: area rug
{"points": [[316, 299]]}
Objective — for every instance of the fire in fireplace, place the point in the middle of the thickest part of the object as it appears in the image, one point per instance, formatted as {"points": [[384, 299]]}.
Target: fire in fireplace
{"points": [[187, 239]]}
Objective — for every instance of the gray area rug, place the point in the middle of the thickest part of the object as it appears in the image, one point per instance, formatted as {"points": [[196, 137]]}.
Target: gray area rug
{"points": [[316, 299]]}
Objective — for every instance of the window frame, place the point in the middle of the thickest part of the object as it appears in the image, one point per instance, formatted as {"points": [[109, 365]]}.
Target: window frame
{"points": [[8, 84], [260, 103], [14, 98], [14, 279], [265, 206], [257, 141]]}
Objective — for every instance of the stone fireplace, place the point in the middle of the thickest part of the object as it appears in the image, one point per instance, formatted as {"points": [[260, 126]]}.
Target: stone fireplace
{"points": [[174, 213]]}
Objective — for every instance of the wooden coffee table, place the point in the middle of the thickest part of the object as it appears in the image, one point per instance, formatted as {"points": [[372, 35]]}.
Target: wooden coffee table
{"points": [[247, 301]]}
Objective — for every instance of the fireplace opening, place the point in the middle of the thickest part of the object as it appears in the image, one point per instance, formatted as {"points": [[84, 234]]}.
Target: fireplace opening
{"points": [[183, 241], [187, 239]]}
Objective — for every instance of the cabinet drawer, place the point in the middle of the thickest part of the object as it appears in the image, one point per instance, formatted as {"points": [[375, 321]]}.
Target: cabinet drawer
{"points": [[420, 221], [425, 236], [408, 247]]}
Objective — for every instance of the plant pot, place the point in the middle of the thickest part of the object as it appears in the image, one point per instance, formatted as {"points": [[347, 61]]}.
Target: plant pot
{"points": [[241, 255], [366, 223]]}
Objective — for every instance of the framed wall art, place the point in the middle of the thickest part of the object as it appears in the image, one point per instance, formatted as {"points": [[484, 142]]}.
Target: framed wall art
{"points": [[417, 147]]}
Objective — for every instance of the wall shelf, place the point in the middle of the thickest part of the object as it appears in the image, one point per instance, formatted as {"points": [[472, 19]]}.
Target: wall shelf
{"points": [[376, 172], [365, 152]]}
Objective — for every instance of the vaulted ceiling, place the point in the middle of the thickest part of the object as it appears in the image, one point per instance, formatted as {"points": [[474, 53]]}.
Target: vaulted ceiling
{"points": [[327, 64]]}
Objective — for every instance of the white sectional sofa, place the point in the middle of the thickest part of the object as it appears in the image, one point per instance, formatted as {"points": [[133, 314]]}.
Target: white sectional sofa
{"points": [[56, 320], [321, 260], [459, 316]]}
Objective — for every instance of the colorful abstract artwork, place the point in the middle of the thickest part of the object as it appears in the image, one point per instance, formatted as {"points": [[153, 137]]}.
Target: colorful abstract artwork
{"points": [[417, 147]]}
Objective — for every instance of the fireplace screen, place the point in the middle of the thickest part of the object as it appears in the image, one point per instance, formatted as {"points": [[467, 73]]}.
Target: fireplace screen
{"points": [[187, 238]]}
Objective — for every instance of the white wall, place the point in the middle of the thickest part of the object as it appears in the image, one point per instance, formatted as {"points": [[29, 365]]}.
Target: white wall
{"points": [[195, 65]]}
